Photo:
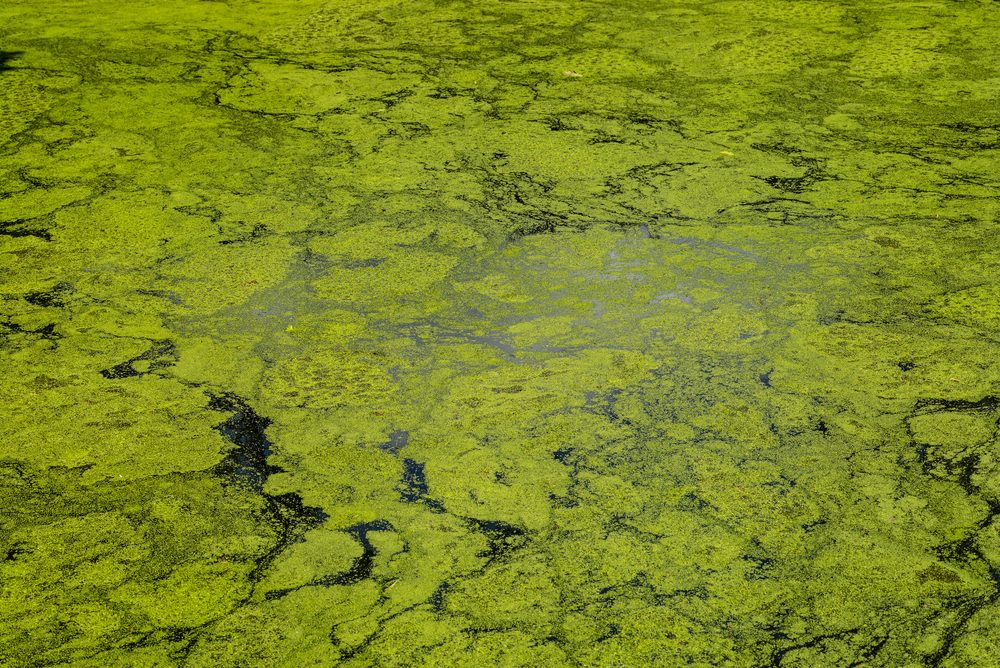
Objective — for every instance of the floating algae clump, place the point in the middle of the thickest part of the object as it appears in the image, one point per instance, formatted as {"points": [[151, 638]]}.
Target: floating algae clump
{"points": [[515, 333]]}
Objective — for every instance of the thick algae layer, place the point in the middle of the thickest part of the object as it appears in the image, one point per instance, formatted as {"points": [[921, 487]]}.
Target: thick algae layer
{"points": [[514, 333]]}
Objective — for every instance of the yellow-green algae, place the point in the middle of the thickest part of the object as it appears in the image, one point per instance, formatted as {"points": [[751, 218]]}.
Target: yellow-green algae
{"points": [[515, 333]]}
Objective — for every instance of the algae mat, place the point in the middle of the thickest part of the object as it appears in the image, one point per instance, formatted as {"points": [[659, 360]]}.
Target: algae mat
{"points": [[512, 333]]}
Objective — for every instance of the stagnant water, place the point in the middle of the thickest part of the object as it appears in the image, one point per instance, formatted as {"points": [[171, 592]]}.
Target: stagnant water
{"points": [[505, 333]]}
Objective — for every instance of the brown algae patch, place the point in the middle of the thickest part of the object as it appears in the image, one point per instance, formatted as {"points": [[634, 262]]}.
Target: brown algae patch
{"points": [[526, 334]]}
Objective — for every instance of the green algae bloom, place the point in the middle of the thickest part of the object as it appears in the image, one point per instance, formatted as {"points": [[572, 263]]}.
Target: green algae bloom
{"points": [[508, 333]]}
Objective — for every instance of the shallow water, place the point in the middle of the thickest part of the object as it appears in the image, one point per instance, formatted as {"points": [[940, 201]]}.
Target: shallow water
{"points": [[508, 333]]}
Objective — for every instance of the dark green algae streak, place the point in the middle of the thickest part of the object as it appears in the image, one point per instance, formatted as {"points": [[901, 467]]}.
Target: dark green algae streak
{"points": [[499, 333]]}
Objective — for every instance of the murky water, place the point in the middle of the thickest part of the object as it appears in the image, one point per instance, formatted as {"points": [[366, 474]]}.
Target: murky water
{"points": [[513, 333]]}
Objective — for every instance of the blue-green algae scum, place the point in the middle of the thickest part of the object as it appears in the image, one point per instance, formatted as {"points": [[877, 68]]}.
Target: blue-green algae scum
{"points": [[499, 333]]}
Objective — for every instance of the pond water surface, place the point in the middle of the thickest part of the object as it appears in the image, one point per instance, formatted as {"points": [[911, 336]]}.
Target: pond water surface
{"points": [[506, 333]]}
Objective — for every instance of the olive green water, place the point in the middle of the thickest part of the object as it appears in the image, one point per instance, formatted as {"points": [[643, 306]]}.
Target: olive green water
{"points": [[500, 333]]}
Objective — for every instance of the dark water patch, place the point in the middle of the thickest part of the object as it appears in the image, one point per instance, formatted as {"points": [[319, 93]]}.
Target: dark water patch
{"points": [[413, 486], [16, 550], [161, 355], [956, 466], [46, 331], [55, 297], [8, 57], [169, 295], [557, 124], [436, 599], [414, 481], [604, 404], [563, 455], [639, 581], [963, 470], [964, 552], [692, 501], [247, 466], [397, 441], [563, 501], [619, 523], [293, 502], [970, 136], [987, 403], [256, 232], [809, 526], [762, 566], [16, 228], [601, 137], [641, 586], [958, 629], [814, 173], [779, 655], [275, 594], [612, 631], [213, 214], [247, 462], [361, 569], [790, 184], [503, 538]]}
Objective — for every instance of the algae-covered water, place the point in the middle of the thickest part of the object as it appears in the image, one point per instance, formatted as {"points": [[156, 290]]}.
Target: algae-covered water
{"points": [[506, 333]]}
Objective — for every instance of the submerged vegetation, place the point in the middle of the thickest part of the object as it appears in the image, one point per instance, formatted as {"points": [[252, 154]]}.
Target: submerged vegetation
{"points": [[516, 333]]}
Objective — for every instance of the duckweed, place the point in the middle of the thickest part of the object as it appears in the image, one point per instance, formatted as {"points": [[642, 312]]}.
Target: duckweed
{"points": [[518, 333]]}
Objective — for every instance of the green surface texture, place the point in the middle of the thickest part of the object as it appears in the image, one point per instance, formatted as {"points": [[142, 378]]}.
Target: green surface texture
{"points": [[531, 333]]}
